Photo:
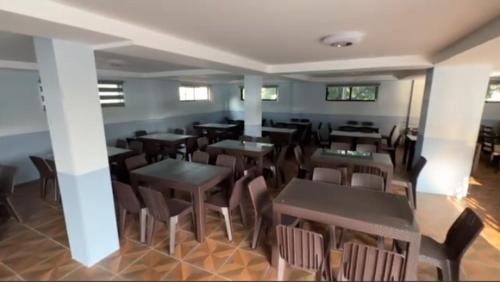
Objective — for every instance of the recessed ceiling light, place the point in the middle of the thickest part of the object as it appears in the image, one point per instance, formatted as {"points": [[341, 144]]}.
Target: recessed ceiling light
{"points": [[342, 39]]}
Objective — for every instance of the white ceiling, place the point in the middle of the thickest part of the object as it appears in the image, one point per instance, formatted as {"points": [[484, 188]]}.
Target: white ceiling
{"points": [[287, 31]]}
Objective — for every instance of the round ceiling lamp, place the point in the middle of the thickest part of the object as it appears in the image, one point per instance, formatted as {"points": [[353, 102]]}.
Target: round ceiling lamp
{"points": [[342, 39]]}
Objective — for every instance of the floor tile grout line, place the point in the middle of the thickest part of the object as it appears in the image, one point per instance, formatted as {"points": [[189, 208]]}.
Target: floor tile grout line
{"points": [[48, 237], [134, 261], [12, 270]]}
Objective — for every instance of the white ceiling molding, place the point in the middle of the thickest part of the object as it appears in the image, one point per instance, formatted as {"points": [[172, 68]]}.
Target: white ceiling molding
{"points": [[343, 78], [184, 73], [380, 63], [482, 35], [111, 45], [17, 65]]}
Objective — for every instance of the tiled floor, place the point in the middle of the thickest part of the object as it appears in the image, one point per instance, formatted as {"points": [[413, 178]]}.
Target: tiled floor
{"points": [[38, 248]]}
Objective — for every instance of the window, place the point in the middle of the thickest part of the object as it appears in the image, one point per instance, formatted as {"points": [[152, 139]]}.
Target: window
{"points": [[111, 93], [194, 93], [367, 93], [493, 94], [267, 93]]}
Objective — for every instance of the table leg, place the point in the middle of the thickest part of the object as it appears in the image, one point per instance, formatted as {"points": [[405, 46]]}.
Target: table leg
{"points": [[274, 248], [199, 211], [260, 163], [388, 181], [411, 154], [412, 259], [406, 148]]}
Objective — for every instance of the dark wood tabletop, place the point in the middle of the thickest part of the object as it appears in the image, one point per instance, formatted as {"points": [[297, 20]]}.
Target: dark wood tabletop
{"points": [[356, 134], [185, 176], [243, 147], [331, 158], [279, 130], [167, 138], [384, 214], [217, 126]]}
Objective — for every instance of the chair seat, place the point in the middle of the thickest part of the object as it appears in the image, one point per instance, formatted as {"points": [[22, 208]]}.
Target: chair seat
{"points": [[398, 181], [432, 251], [218, 199], [178, 207]]}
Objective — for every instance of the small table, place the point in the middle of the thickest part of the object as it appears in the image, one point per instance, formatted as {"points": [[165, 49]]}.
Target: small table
{"points": [[254, 150], [356, 136], [216, 126], [115, 154], [330, 158], [410, 142], [281, 136], [168, 139], [384, 214], [191, 177]]}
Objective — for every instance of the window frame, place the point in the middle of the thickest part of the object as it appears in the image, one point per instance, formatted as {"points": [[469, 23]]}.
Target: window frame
{"points": [[494, 82], [119, 83], [350, 86], [209, 93], [263, 86]]}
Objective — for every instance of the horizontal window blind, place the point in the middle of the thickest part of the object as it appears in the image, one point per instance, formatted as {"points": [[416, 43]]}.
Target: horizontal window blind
{"points": [[111, 93]]}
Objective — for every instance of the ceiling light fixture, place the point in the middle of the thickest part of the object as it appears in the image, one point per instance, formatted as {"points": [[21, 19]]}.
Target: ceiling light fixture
{"points": [[342, 39]]}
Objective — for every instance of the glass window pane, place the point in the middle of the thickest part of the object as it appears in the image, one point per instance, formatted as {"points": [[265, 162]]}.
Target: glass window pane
{"points": [[201, 93], [269, 93], [493, 94], [364, 93], [338, 93]]}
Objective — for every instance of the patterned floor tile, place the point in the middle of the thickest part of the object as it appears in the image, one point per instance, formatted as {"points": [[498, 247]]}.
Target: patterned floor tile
{"points": [[56, 230], [7, 274], [185, 242], [153, 266], [240, 233], [244, 265], [477, 271], [291, 274], [94, 273], [210, 255], [33, 253], [54, 268], [129, 252], [11, 228], [187, 272]]}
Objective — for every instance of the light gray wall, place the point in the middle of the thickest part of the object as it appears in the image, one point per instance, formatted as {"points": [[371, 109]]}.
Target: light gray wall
{"points": [[151, 104]]}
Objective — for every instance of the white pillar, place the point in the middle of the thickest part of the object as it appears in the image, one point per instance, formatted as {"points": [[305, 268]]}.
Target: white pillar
{"points": [[449, 124], [69, 81], [253, 105]]}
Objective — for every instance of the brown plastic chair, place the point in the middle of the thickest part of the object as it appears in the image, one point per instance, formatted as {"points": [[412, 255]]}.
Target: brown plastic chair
{"points": [[305, 168], [136, 145], [188, 150], [370, 170], [366, 263], [46, 174], [277, 166], [388, 138], [302, 249], [446, 257], [367, 181], [180, 131], [368, 148], [7, 174], [229, 162], [200, 157], [163, 210], [121, 143], [340, 146], [323, 137], [328, 175], [393, 149], [52, 165], [152, 151], [139, 133], [202, 143], [262, 204], [135, 162], [221, 203], [128, 202], [411, 185]]}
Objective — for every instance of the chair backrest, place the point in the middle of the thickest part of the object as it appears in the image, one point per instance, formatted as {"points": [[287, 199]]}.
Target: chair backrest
{"points": [[271, 122], [259, 195], [179, 131], [7, 174], [416, 170], [156, 204], [226, 161], [328, 175], [191, 145], [462, 233], [319, 125], [352, 122], [391, 133], [340, 146], [121, 143], [280, 161], [397, 141], [366, 263], [139, 133], [136, 145], [394, 135], [299, 156], [200, 157], [135, 162], [294, 119], [367, 123], [366, 129], [238, 189], [367, 181], [264, 122], [42, 166], [246, 138], [323, 134], [370, 170], [368, 148], [202, 143], [301, 248], [252, 172], [304, 120], [127, 198], [330, 128]]}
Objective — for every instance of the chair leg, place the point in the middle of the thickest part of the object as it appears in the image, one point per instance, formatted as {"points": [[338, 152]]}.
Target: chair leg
{"points": [[333, 238], [172, 227], [12, 210], [256, 232], [151, 229], [56, 189], [123, 218], [143, 214], [227, 221], [281, 269], [243, 215], [455, 271], [439, 274], [45, 183], [409, 195]]}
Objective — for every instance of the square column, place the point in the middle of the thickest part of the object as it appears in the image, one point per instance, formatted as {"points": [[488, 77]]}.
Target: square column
{"points": [[253, 105], [449, 125], [69, 80]]}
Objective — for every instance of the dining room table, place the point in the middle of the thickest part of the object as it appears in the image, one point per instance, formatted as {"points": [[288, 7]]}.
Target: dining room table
{"points": [[357, 137], [323, 157], [383, 214], [279, 136], [194, 178], [166, 139], [254, 150], [409, 150]]}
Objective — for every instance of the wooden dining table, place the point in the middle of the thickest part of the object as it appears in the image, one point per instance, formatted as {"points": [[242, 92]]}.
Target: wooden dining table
{"points": [[334, 158], [115, 154], [356, 137], [279, 136], [254, 150], [180, 175], [383, 214], [167, 139]]}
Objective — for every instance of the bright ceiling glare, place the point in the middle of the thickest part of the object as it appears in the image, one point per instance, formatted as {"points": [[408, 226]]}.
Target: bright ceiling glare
{"points": [[342, 39]]}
